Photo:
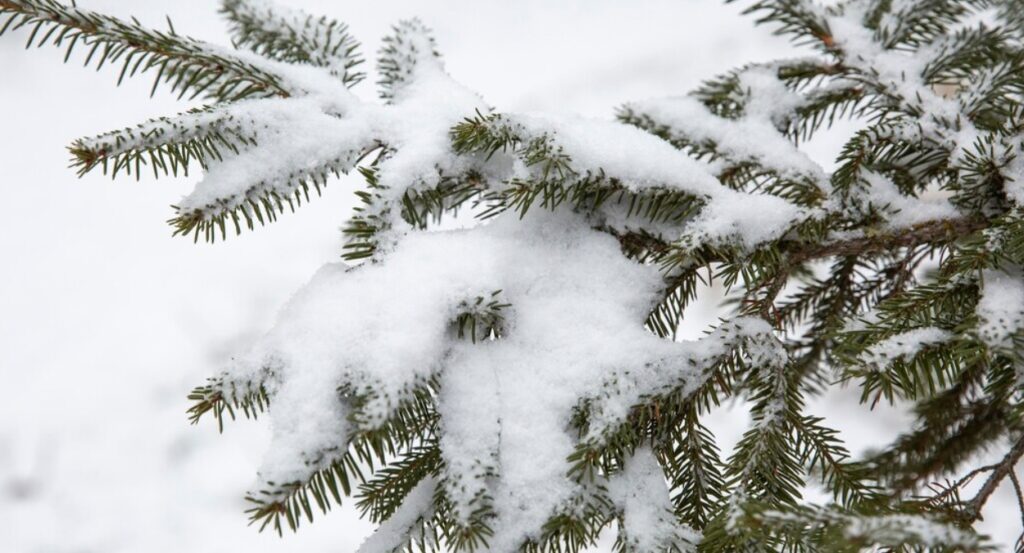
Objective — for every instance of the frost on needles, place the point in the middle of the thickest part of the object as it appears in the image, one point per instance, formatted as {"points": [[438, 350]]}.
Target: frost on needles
{"points": [[514, 382]]}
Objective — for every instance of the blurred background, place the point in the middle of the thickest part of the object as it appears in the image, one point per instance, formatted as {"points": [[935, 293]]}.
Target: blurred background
{"points": [[107, 322]]}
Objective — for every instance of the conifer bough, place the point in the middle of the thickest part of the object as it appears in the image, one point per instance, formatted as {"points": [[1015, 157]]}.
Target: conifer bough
{"points": [[517, 384]]}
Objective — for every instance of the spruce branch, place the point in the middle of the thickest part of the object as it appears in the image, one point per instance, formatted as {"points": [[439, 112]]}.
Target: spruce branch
{"points": [[166, 145], [295, 37], [189, 67], [803, 19], [694, 467], [917, 23], [383, 494], [335, 469], [931, 232], [948, 433], [262, 201], [210, 399], [409, 50]]}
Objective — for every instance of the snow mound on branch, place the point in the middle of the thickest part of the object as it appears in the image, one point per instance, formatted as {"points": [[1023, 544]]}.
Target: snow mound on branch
{"points": [[903, 210], [1001, 309], [904, 345], [753, 138], [575, 322], [649, 523], [643, 162], [324, 128], [393, 533]]}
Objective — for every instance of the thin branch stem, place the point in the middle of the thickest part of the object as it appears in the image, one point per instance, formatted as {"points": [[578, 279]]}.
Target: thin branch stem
{"points": [[925, 233], [1020, 494], [999, 472]]}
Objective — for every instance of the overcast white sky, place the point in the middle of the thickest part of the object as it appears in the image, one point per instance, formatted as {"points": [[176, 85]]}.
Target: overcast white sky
{"points": [[107, 322]]}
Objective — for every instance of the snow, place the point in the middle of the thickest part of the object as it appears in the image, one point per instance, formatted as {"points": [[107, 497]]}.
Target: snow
{"points": [[749, 219], [649, 523], [749, 139], [326, 129], [394, 533], [296, 139], [629, 385], [575, 323], [423, 109], [904, 346], [321, 40], [892, 529], [755, 136], [105, 461], [901, 74], [901, 210], [1001, 309], [631, 155], [642, 161]]}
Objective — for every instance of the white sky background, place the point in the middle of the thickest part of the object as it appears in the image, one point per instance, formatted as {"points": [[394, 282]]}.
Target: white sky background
{"points": [[106, 322]]}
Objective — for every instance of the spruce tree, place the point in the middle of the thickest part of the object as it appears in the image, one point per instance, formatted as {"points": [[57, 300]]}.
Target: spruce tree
{"points": [[516, 383]]}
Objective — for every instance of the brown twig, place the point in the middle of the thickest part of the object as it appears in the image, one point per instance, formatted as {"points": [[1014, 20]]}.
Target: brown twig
{"points": [[1020, 496], [1001, 470], [924, 233]]}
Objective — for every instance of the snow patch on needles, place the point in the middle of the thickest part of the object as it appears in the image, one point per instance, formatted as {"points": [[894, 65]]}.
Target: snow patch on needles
{"points": [[1001, 310], [751, 138], [576, 319], [393, 534], [324, 143], [648, 520], [641, 161], [894, 530], [902, 210], [904, 345], [901, 74]]}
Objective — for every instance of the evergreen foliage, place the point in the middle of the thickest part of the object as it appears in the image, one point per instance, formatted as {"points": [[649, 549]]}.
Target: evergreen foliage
{"points": [[896, 276]]}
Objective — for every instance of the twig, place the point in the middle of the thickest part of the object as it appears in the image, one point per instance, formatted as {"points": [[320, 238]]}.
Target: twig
{"points": [[1001, 470], [1020, 495], [925, 233]]}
